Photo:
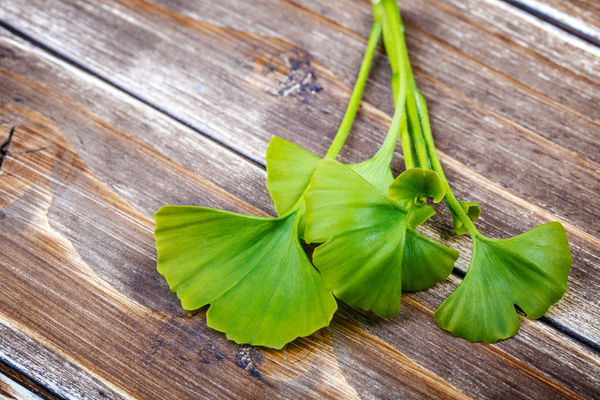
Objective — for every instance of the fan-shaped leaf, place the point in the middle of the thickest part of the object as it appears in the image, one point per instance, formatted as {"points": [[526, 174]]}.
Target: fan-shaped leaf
{"points": [[529, 270], [365, 252], [253, 272]]}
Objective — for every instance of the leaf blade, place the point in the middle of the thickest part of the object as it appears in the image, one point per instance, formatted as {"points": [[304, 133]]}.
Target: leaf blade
{"points": [[529, 270], [227, 260], [351, 216]]}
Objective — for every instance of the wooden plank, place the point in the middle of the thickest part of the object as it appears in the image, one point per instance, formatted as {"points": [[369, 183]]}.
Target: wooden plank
{"points": [[8, 372], [435, 32], [468, 25], [506, 158], [53, 186], [102, 305], [56, 376]]}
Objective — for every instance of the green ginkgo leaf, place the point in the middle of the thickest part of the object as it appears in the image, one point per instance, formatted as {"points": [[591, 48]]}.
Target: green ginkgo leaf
{"points": [[529, 270], [261, 287], [368, 243], [415, 184], [290, 168]]}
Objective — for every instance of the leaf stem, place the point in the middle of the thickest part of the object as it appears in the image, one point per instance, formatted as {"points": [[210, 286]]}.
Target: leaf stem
{"points": [[393, 37], [357, 92], [386, 151], [450, 199], [418, 138]]}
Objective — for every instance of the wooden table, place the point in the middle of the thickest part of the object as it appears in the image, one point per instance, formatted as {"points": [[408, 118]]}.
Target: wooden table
{"points": [[122, 106]]}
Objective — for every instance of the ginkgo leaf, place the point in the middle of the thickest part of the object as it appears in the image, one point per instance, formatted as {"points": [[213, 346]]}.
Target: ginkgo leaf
{"points": [[289, 168], [419, 214], [473, 212], [529, 270], [416, 183], [261, 287], [364, 232]]}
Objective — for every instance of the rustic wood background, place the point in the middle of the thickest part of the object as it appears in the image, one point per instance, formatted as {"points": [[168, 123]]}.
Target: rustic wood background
{"points": [[122, 106]]}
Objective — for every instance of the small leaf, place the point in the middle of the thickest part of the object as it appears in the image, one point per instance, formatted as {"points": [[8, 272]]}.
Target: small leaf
{"points": [[289, 168], [416, 183], [366, 237], [473, 212], [419, 214], [529, 270], [260, 285]]}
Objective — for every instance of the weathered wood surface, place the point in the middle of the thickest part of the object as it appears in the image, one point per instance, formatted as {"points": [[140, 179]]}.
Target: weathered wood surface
{"points": [[203, 64], [82, 306]]}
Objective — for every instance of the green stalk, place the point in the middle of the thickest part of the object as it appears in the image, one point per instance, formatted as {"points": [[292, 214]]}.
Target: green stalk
{"points": [[423, 124], [357, 92], [386, 151], [407, 147], [450, 199], [393, 36], [415, 128], [420, 139]]}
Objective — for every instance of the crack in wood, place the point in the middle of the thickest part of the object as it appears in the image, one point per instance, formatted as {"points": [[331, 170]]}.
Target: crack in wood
{"points": [[26, 381], [6, 144]]}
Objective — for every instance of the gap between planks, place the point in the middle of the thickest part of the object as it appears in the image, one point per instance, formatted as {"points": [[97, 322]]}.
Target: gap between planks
{"points": [[563, 22]]}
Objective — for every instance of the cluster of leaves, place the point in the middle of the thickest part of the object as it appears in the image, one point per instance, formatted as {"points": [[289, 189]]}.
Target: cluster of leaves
{"points": [[263, 289]]}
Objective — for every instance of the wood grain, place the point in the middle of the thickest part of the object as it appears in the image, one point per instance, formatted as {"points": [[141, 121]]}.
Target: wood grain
{"points": [[507, 158], [518, 145], [67, 199], [51, 195]]}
